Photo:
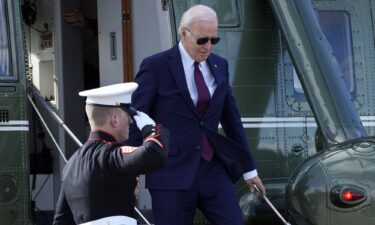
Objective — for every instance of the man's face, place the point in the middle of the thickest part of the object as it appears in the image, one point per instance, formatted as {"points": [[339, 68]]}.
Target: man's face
{"points": [[198, 30]]}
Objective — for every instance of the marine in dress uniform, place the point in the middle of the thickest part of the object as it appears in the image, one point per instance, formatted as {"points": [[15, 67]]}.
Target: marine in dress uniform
{"points": [[99, 180]]}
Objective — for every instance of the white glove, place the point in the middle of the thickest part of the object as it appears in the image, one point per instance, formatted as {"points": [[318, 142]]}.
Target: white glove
{"points": [[142, 119]]}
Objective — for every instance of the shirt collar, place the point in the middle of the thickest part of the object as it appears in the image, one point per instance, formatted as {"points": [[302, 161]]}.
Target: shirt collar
{"points": [[99, 135], [187, 60]]}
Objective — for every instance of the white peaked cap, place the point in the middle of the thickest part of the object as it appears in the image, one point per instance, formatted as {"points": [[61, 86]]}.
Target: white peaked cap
{"points": [[111, 95]]}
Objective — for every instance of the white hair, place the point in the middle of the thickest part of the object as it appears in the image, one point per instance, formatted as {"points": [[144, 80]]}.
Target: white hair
{"points": [[197, 13]]}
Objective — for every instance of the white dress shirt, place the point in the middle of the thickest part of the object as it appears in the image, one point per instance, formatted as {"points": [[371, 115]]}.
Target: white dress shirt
{"points": [[188, 64]]}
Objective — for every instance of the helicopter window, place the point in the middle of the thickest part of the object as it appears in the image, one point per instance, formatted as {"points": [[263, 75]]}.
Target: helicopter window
{"points": [[226, 11], [4, 44], [336, 26]]}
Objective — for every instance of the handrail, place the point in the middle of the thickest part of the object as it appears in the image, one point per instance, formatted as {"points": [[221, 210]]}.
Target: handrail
{"points": [[41, 100], [45, 124]]}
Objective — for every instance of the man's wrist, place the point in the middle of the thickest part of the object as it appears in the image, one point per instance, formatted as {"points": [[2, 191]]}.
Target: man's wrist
{"points": [[249, 175]]}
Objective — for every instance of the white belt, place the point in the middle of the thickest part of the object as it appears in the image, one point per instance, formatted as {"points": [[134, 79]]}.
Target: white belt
{"points": [[112, 220]]}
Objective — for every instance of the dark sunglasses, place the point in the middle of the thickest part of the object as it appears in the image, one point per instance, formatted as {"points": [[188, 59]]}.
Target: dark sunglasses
{"points": [[204, 40]]}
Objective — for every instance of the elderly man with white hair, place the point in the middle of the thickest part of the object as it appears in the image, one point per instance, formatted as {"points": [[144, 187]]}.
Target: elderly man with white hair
{"points": [[187, 89]]}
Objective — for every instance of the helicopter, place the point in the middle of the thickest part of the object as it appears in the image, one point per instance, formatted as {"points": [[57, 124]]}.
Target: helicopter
{"points": [[301, 72]]}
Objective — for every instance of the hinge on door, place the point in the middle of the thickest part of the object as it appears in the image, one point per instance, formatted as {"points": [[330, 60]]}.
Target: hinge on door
{"points": [[164, 5], [126, 16]]}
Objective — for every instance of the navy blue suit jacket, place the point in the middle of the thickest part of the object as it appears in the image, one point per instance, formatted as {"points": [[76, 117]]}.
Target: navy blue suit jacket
{"points": [[163, 94]]}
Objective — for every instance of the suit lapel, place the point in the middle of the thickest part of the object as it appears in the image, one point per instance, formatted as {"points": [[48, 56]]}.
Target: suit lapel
{"points": [[217, 72], [178, 73]]}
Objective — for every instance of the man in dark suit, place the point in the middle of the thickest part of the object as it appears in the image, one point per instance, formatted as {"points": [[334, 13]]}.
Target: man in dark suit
{"points": [[187, 89]]}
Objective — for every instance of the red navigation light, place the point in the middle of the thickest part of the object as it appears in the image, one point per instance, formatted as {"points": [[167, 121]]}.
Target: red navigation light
{"points": [[352, 195], [347, 195]]}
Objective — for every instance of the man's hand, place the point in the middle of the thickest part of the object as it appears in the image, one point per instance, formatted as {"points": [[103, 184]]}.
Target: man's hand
{"points": [[256, 180], [142, 119], [75, 17]]}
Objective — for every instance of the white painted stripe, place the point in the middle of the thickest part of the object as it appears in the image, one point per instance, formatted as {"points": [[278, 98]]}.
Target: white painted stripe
{"points": [[279, 122], [277, 125], [272, 119], [15, 122], [364, 118], [368, 124], [280, 125], [14, 129], [19, 122], [15, 125], [291, 119]]}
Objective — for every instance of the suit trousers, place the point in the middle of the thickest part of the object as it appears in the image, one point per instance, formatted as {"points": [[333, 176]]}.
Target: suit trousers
{"points": [[212, 193]]}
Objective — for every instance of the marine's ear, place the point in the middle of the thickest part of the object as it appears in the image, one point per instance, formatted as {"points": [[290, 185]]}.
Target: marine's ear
{"points": [[114, 119]]}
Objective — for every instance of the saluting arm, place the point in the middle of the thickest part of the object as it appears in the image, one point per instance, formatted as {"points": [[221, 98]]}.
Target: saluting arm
{"points": [[153, 152], [155, 146]]}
